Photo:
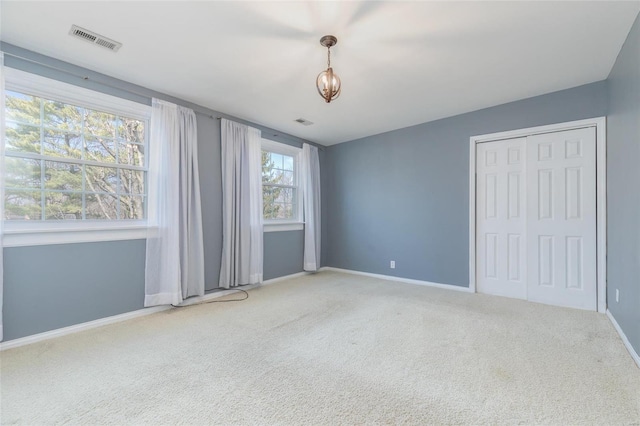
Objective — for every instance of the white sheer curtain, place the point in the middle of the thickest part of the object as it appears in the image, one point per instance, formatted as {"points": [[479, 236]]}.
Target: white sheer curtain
{"points": [[174, 268], [311, 190], [2, 95], [241, 205]]}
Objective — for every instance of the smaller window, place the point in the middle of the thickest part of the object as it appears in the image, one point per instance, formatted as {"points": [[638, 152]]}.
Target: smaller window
{"points": [[280, 183]]}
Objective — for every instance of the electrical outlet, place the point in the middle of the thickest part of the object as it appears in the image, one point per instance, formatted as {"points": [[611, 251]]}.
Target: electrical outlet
{"points": [[393, 264], [617, 295]]}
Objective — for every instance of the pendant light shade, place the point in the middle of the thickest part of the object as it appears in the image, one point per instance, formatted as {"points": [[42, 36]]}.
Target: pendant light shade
{"points": [[328, 83]]}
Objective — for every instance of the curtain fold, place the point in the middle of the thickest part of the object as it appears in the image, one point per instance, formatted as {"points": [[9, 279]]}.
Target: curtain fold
{"points": [[174, 267], [191, 235], [242, 220], [311, 204], [2, 174]]}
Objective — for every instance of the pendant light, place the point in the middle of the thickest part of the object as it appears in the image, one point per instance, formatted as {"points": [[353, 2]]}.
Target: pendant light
{"points": [[328, 83]]}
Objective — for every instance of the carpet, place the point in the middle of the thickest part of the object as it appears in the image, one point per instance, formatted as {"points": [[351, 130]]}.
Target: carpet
{"points": [[328, 349]]}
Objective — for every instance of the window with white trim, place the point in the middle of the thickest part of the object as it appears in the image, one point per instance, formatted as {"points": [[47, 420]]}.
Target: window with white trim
{"points": [[74, 159], [282, 201]]}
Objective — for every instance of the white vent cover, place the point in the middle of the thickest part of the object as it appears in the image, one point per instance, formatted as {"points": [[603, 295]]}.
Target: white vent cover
{"points": [[303, 121], [94, 38]]}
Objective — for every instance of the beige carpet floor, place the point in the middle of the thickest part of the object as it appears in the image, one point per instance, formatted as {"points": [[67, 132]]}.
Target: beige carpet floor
{"points": [[331, 349]]}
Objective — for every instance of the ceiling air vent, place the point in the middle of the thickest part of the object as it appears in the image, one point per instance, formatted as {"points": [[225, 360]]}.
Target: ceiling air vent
{"points": [[303, 122], [94, 38]]}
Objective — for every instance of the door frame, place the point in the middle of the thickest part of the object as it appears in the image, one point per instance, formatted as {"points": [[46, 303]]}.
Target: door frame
{"points": [[600, 124]]}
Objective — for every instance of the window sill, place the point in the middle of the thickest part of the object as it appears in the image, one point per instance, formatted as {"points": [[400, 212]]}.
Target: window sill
{"points": [[285, 226], [38, 237]]}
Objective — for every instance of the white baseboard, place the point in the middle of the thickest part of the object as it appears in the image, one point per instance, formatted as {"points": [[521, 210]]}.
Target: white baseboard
{"points": [[129, 315], [398, 279], [80, 327], [623, 336], [286, 277]]}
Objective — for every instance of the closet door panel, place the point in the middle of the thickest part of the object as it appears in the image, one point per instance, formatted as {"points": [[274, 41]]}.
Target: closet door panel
{"points": [[500, 218], [561, 226]]}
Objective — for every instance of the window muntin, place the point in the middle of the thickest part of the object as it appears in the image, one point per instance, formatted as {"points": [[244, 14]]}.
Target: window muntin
{"points": [[68, 162], [280, 183]]}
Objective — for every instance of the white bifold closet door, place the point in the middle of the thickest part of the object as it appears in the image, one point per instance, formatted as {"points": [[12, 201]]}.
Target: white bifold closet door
{"points": [[536, 218], [500, 218]]}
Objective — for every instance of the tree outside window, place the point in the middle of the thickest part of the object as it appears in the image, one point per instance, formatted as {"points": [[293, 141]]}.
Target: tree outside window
{"points": [[65, 162], [279, 186]]}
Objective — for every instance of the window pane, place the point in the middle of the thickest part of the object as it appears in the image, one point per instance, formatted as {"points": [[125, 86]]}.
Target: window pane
{"points": [[287, 178], [271, 211], [62, 176], [279, 203], [285, 195], [276, 159], [22, 173], [101, 179], [131, 207], [22, 108], [131, 181], [288, 211], [288, 162], [63, 117], [270, 208], [283, 211], [101, 206], [131, 153], [271, 174], [99, 124], [62, 144], [22, 138], [269, 196], [278, 168], [267, 166], [100, 149], [62, 206], [22, 205], [131, 130]]}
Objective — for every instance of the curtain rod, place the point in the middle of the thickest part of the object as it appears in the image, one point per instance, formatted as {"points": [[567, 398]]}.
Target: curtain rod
{"points": [[197, 109]]}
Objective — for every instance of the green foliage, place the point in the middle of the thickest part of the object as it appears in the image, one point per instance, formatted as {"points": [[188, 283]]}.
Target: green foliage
{"points": [[53, 129], [270, 208]]}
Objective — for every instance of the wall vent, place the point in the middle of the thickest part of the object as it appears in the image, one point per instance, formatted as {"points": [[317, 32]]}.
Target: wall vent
{"points": [[94, 38], [303, 122]]}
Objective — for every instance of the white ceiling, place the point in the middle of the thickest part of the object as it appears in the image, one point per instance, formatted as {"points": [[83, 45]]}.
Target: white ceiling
{"points": [[401, 63]]}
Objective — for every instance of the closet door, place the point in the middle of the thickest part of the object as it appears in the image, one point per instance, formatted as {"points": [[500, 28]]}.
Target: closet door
{"points": [[561, 218], [500, 218]]}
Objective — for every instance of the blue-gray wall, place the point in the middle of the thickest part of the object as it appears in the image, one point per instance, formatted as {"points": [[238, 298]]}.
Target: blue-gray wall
{"points": [[404, 195], [623, 195], [282, 245], [48, 287]]}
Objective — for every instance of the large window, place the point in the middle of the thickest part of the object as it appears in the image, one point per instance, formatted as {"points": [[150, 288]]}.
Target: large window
{"points": [[280, 183], [72, 156], [66, 162]]}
